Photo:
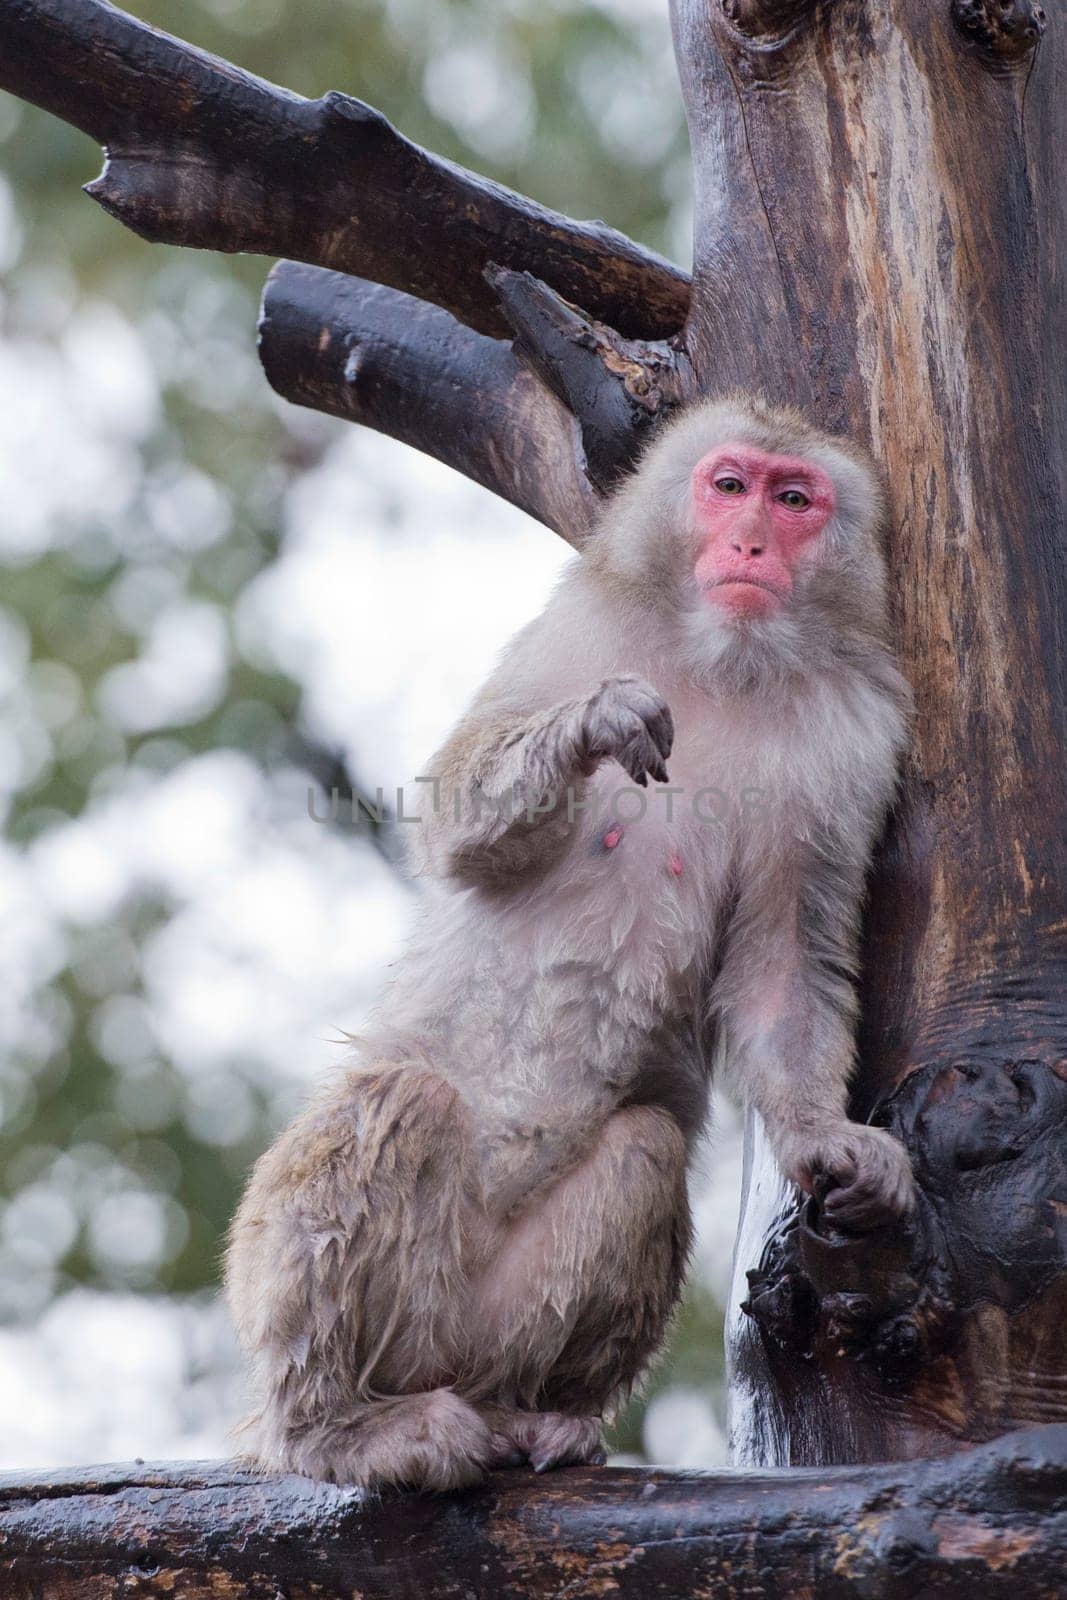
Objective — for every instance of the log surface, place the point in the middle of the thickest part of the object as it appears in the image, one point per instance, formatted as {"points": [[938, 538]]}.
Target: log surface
{"points": [[989, 1521]]}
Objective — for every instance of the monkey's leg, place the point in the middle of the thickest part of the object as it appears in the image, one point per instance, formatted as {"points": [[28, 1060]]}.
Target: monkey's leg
{"points": [[346, 1278], [581, 1289]]}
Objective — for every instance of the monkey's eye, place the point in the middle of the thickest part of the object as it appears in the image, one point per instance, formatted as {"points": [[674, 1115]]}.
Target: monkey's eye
{"points": [[728, 485], [795, 499]]}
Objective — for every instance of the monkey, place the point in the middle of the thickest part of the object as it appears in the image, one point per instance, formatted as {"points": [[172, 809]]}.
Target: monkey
{"points": [[647, 838]]}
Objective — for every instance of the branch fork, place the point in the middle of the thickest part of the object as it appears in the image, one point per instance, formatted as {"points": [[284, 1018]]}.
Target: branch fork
{"points": [[616, 388]]}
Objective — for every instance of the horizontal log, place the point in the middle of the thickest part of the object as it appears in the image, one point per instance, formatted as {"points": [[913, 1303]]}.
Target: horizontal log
{"points": [[200, 153], [373, 355], [990, 1521]]}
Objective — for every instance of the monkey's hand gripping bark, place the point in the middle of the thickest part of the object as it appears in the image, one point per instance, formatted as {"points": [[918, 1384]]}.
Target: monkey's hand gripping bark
{"points": [[861, 1175]]}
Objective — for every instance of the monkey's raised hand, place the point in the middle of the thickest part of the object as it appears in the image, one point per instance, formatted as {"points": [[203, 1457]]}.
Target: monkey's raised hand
{"points": [[504, 810], [627, 721]]}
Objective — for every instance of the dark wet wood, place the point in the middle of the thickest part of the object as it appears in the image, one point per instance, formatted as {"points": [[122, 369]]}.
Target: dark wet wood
{"points": [[988, 1522], [201, 153], [618, 389], [549, 421], [897, 189], [376, 356]]}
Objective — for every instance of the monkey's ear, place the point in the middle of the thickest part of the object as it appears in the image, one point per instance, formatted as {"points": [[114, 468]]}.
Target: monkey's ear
{"points": [[860, 504]]}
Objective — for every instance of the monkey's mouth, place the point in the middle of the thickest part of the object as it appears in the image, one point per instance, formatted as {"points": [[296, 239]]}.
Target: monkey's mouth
{"points": [[744, 583], [746, 597]]}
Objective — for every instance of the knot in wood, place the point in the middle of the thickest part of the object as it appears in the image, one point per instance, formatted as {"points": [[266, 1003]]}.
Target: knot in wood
{"points": [[1005, 29], [357, 118], [782, 1305], [766, 18]]}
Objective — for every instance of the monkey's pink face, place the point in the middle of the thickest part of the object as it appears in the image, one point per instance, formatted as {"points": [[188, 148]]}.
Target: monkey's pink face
{"points": [[757, 515]]}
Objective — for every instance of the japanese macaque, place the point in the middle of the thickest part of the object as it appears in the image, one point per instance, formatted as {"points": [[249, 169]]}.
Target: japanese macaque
{"points": [[464, 1254]]}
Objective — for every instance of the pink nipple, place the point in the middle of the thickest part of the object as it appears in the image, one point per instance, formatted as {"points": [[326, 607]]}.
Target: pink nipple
{"points": [[675, 864], [612, 837]]}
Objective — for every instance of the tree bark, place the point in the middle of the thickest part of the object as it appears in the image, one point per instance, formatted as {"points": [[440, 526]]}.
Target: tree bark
{"points": [[895, 194], [880, 233], [990, 1521]]}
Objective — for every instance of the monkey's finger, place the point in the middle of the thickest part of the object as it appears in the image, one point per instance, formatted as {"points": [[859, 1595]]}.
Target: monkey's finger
{"points": [[640, 759], [860, 1206], [822, 1182], [655, 714], [661, 728]]}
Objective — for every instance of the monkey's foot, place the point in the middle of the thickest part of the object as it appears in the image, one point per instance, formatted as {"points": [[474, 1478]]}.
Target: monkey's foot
{"points": [[862, 1175], [548, 1439], [419, 1441]]}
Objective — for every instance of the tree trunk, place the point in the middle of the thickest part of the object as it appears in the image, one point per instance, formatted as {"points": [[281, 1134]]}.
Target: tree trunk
{"points": [[880, 238], [890, 256]]}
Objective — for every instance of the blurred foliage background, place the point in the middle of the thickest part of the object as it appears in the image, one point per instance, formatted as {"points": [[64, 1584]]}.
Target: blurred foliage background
{"points": [[207, 596]]}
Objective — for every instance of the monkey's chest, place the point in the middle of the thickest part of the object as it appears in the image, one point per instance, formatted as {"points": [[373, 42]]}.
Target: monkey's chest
{"points": [[652, 867], [641, 883]]}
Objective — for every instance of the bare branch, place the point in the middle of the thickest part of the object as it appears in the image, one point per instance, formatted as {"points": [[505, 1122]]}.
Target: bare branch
{"points": [[369, 354], [200, 153], [990, 1521], [617, 388]]}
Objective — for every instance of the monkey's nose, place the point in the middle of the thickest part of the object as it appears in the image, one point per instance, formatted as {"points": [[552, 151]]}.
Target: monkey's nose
{"points": [[747, 548]]}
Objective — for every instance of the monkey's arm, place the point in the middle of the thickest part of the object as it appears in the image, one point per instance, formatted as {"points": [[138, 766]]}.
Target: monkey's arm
{"points": [[505, 793], [787, 999]]}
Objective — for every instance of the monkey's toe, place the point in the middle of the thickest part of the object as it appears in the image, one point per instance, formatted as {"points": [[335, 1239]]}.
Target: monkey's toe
{"points": [[505, 1454], [552, 1439], [567, 1442]]}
